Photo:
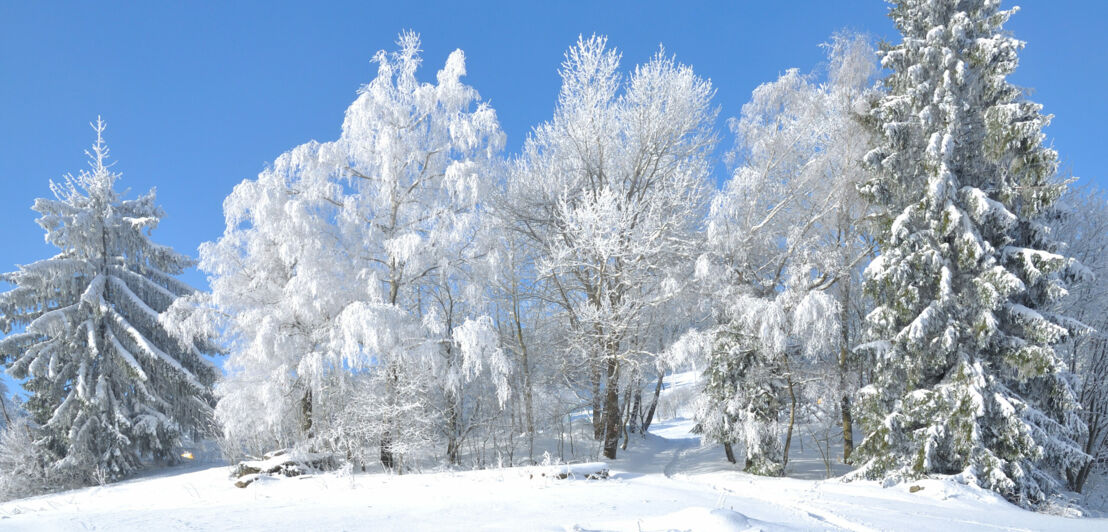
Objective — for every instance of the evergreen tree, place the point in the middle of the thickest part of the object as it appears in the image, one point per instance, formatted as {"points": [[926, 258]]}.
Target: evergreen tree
{"points": [[967, 382], [742, 399], [107, 385]]}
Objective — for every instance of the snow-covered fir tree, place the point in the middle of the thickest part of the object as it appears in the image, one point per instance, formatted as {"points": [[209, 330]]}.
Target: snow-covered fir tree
{"points": [[108, 387], [968, 382]]}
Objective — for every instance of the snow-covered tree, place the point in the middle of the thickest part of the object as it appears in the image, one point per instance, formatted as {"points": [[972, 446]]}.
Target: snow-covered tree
{"points": [[518, 311], [343, 275], [968, 382], [609, 194], [1081, 221], [7, 409], [108, 387], [23, 471], [847, 241], [782, 234]]}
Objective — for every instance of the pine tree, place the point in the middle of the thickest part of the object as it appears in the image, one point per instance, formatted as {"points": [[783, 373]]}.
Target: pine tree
{"points": [[742, 399], [107, 385], [968, 382]]}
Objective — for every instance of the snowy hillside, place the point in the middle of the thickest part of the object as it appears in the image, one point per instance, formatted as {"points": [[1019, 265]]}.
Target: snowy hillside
{"points": [[666, 481]]}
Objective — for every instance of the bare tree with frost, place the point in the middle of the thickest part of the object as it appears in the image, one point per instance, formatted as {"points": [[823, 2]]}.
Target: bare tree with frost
{"points": [[108, 387], [610, 193], [1081, 221]]}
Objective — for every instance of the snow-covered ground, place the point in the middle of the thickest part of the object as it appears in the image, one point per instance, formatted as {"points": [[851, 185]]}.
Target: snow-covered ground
{"points": [[666, 481]]}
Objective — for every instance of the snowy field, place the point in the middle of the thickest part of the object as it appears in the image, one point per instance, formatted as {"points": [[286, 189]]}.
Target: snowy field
{"points": [[666, 481]]}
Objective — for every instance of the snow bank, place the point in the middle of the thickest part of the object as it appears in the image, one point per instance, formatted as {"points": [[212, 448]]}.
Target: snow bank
{"points": [[707, 519]]}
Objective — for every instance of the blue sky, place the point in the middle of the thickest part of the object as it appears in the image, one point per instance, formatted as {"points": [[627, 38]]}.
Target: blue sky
{"points": [[199, 96]]}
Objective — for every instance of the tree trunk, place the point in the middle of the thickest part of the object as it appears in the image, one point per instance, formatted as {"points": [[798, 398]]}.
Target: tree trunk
{"points": [[1094, 403], [848, 429], [729, 452], [633, 420], [792, 413], [306, 413], [1077, 482], [388, 458], [528, 401], [597, 405], [4, 405], [653, 403], [453, 442], [626, 418], [611, 409], [844, 351]]}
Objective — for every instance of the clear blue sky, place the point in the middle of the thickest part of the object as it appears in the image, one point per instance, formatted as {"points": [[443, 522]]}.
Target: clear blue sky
{"points": [[199, 96]]}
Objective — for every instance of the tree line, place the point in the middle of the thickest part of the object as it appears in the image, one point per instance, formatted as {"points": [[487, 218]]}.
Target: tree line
{"points": [[893, 253]]}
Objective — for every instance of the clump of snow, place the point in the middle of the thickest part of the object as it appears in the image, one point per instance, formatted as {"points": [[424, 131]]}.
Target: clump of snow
{"points": [[282, 463]]}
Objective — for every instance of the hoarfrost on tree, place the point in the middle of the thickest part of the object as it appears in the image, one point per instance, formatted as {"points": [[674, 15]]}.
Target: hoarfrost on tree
{"points": [[344, 272], [609, 194]]}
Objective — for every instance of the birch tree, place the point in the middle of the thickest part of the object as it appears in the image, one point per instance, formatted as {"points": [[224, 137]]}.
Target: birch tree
{"points": [[349, 259], [783, 235]]}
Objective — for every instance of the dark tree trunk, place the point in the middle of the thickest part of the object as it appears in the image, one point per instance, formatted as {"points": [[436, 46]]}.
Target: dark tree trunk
{"points": [[653, 404], [625, 418], [792, 413], [306, 413], [848, 429], [611, 409], [844, 352], [597, 405], [729, 452], [4, 405], [387, 458], [636, 411], [1094, 404], [528, 401], [453, 443]]}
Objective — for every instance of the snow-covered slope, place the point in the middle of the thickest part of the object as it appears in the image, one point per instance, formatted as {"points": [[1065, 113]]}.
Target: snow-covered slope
{"points": [[666, 481]]}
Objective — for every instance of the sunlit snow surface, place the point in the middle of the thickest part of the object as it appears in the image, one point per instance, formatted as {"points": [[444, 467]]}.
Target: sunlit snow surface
{"points": [[664, 482]]}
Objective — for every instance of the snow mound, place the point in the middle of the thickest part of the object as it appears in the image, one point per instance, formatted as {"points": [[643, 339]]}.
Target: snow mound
{"points": [[283, 463], [588, 470]]}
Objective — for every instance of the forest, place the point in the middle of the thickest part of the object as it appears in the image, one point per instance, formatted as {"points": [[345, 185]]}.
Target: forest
{"points": [[893, 264]]}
